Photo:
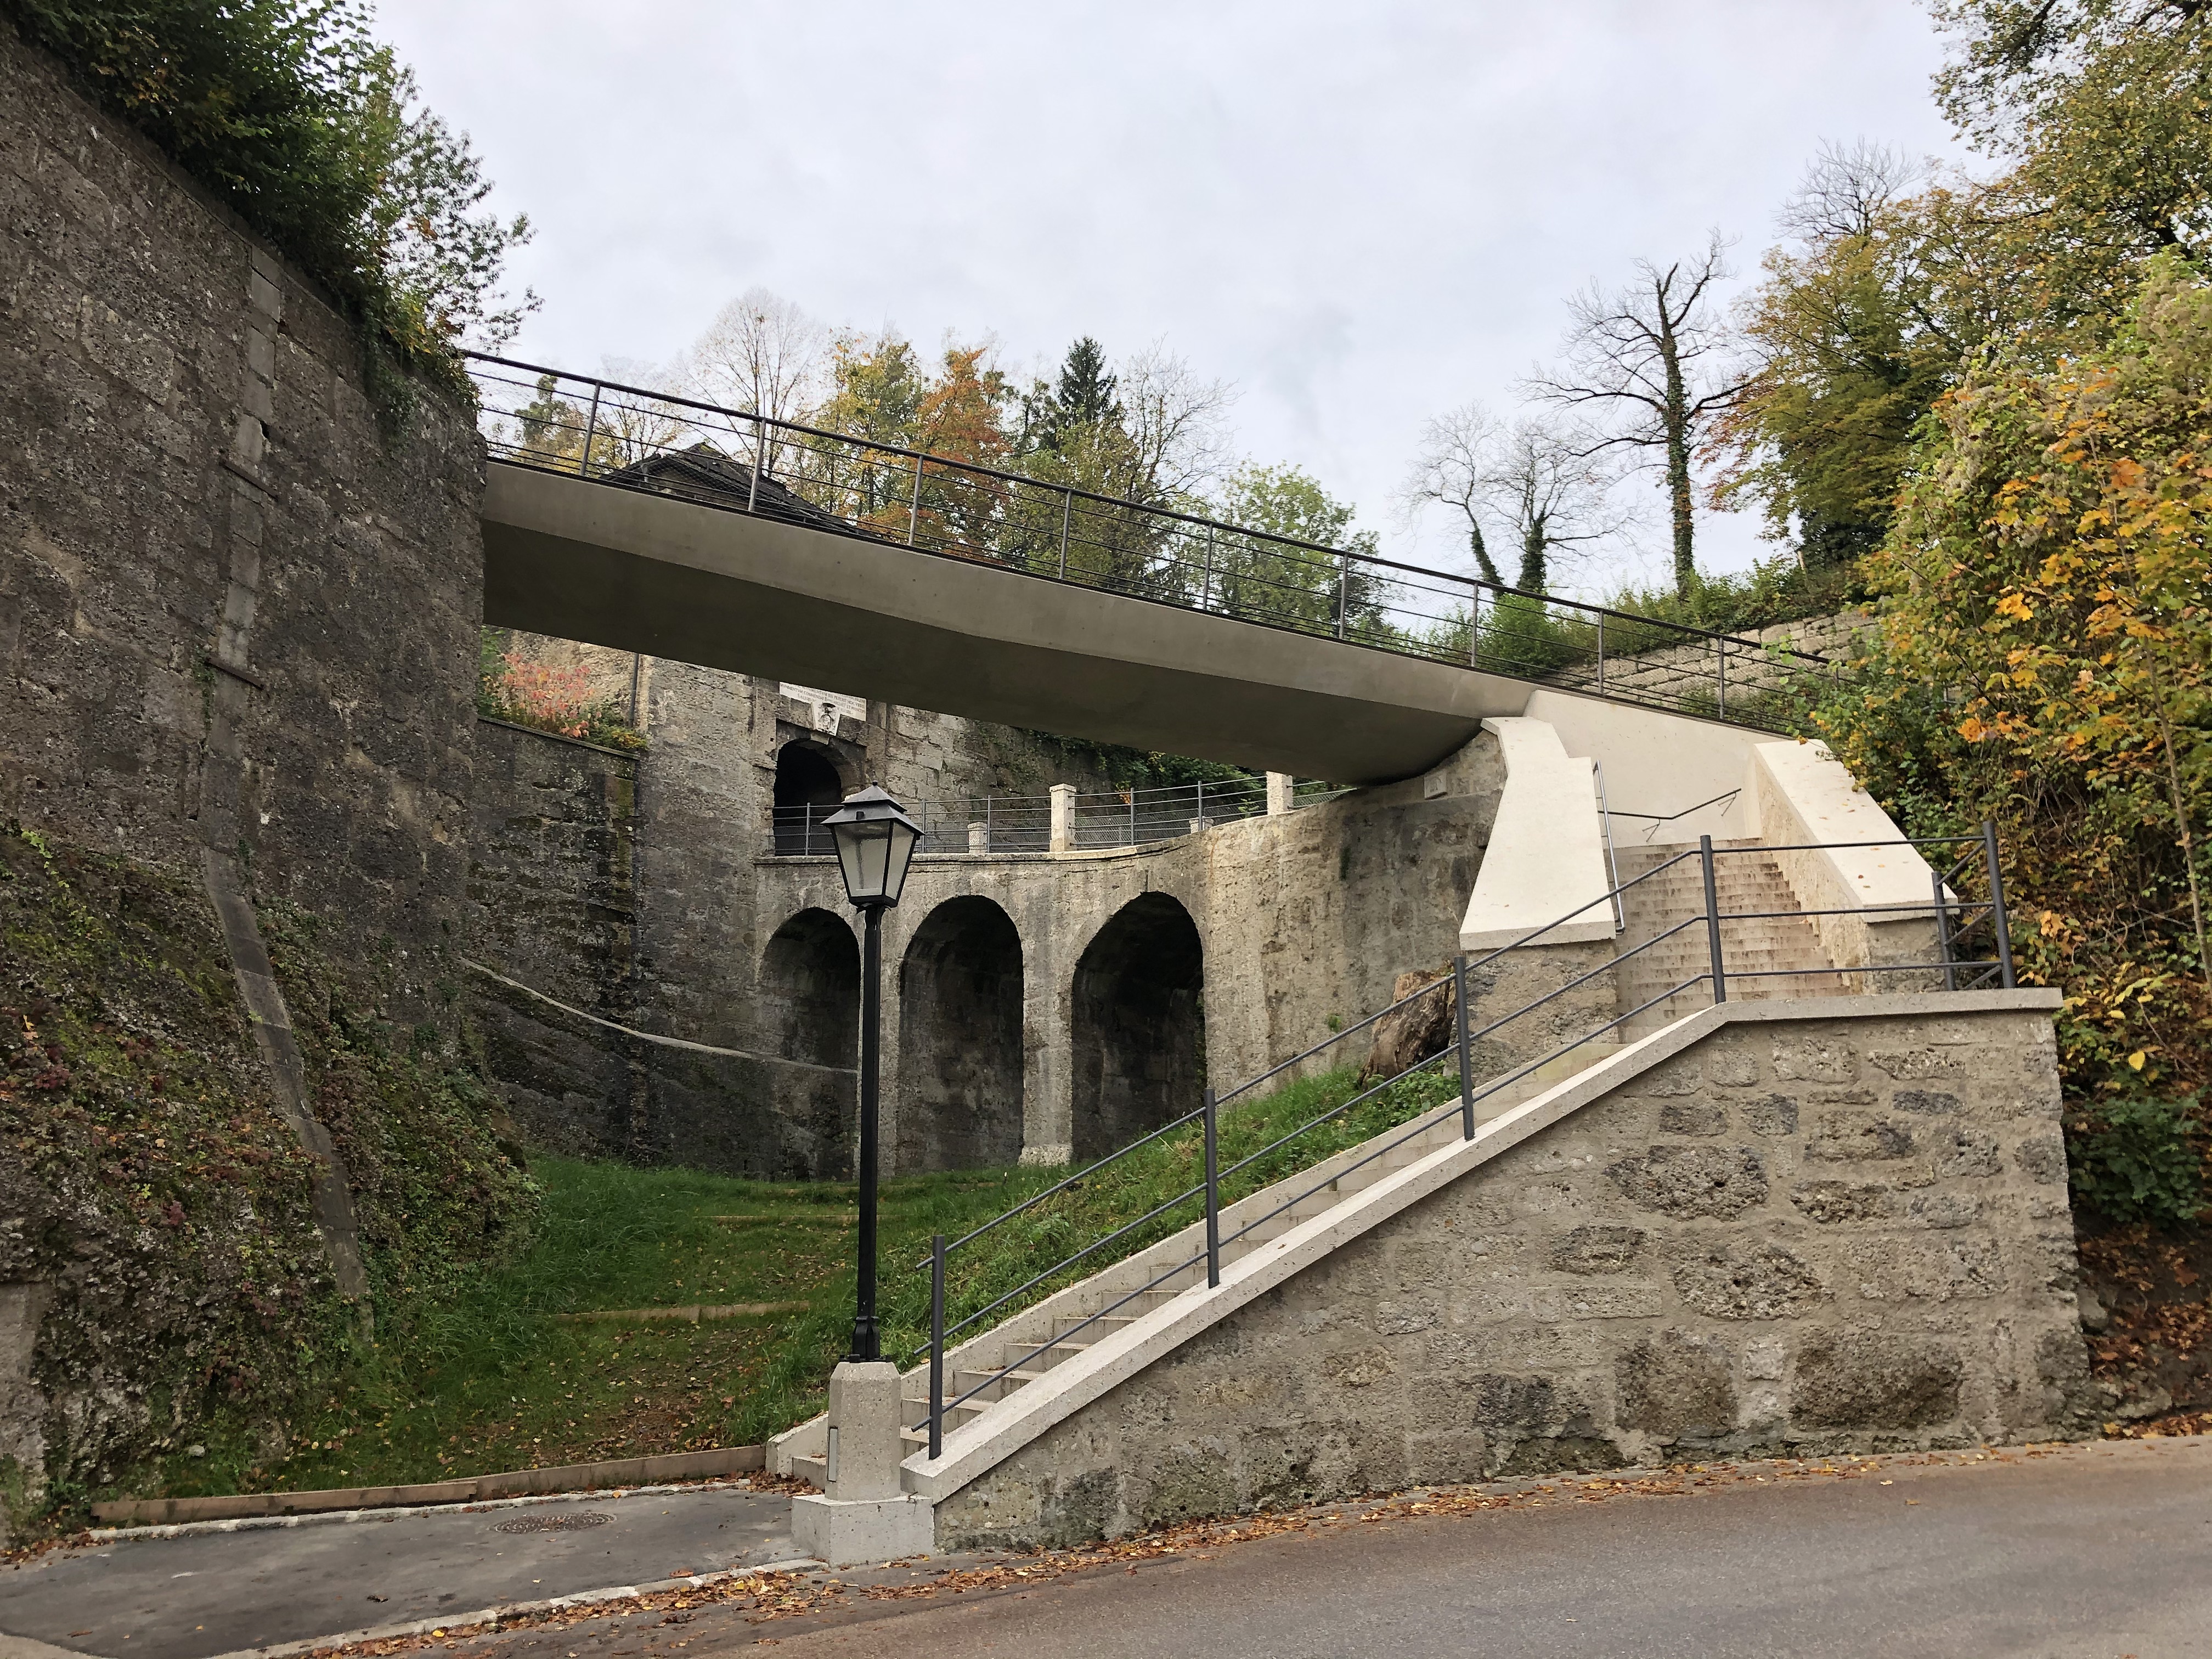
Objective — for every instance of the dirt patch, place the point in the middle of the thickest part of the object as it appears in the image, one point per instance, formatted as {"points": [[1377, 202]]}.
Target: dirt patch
{"points": [[2153, 1351]]}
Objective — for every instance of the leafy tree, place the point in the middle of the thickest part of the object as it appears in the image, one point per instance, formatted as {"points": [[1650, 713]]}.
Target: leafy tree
{"points": [[1856, 329], [2050, 570], [1651, 359], [1273, 582], [291, 113], [1082, 397], [2107, 104]]}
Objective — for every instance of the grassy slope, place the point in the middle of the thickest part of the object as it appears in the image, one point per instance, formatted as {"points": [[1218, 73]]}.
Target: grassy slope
{"points": [[491, 1379]]}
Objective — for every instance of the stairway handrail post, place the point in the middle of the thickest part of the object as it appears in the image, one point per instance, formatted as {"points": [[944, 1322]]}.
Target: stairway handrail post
{"points": [[936, 1344], [1343, 590], [760, 460], [1712, 919], [591, 431], [1997, 922], [1720, 651], [1212, 1195], [1600, 661], [1943, 931], [914, 506], [1466, 1060], [1067, 511]]}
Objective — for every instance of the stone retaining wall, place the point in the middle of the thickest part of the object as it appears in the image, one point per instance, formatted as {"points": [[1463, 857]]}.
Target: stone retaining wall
{"points": [[1796, 1236], [236, 617]]}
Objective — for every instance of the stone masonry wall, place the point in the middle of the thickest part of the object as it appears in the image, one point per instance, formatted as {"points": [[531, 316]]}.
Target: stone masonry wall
{"points": [[551, 860], [233, 614], [1797, 1237]]}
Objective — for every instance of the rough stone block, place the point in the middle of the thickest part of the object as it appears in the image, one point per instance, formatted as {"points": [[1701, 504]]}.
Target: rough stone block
{"points": [[1854, 1136], [1622, 1300], [1748, 1281], [1771, 1114], [1814, 1059], [1862, 1380], [1595, 1250], [1692, 1117], [1676, 1383], [1687, 1181]]}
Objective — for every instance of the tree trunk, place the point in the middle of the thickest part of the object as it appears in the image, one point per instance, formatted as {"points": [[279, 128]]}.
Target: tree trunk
{"points": [[1677, 418]]}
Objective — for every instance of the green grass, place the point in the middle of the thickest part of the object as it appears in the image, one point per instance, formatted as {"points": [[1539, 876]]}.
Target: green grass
{"points": [[492, 1379]]}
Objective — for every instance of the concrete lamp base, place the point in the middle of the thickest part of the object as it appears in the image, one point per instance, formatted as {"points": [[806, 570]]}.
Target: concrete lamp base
{"points": [[850, 1532]]}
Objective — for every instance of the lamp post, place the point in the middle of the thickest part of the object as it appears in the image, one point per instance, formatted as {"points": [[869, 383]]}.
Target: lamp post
{"points": [[875, 841]]}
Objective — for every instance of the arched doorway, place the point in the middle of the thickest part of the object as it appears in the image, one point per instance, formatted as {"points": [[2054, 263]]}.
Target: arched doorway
{"points": [[960, 1040], [1139, 1024], [807, 789], [809, 998]]}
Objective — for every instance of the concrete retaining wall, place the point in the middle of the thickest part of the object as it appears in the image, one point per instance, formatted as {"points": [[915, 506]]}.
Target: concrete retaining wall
{"points": [[1798, 1235]]}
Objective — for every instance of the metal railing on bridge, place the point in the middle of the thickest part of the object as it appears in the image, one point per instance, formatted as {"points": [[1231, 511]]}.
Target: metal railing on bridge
{"points": [[963, 507], [1022, 823], [1278, 1162]]}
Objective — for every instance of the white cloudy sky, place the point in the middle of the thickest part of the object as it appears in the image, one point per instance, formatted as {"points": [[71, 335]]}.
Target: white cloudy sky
{"points": [[1360, 214]]}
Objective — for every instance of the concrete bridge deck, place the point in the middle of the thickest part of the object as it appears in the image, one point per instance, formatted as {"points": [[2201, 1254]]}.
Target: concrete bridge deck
{"points": [[639, 571]]}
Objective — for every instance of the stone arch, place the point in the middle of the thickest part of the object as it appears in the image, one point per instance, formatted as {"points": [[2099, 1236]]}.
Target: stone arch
{"points": [[1139, 1024], [806, 775], [810, 1002], [960, 1040]]}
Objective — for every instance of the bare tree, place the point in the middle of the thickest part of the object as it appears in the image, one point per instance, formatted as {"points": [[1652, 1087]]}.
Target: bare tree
{"points": [[1178, 423], [1449, 471], [1651, 360], [1552, 493], [1541, 486], [1846, 189], [761, 355]]}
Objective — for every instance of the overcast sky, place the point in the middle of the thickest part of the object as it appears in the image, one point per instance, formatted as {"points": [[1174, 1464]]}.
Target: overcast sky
{"points": [[1361, 215]]}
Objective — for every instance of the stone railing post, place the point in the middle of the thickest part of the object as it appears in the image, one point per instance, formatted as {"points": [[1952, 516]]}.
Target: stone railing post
{"points": [[1063, 818], [979, 837], [1278, 793]]}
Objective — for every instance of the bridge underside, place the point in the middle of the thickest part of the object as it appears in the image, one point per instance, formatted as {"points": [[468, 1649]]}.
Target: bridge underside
{"points": [[641, 572]]}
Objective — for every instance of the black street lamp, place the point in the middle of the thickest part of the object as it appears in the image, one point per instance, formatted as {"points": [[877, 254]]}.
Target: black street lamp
{"points": [[875, 842]]}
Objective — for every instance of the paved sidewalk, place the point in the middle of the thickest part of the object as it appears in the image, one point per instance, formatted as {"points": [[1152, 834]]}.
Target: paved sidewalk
{"points": [[217, 1592]]}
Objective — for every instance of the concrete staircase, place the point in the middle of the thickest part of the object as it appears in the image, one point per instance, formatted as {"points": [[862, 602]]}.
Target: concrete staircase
{"points": [[1037, 1339], [1078, 1318], [1748, 882]]}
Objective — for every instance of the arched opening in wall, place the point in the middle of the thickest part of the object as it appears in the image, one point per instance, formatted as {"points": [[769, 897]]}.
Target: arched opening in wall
{"points": [[960, 1040], [807, 790], [1139, 1026], [810, 992]]}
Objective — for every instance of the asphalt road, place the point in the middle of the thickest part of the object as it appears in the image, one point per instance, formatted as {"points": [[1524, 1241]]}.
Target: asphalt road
{"points": [[212, 1593], [2103, 1551]]}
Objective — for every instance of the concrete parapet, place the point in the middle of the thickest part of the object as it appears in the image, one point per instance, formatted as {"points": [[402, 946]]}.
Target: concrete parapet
{"points": [[1803, 796], [1062, 838], [1546, 855]]}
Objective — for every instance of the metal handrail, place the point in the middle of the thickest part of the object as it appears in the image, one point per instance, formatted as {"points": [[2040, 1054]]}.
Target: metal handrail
{"points": [[1715, 973], [892, 508]]}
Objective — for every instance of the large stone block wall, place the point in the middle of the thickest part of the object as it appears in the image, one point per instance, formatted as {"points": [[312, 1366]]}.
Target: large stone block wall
{"points": [[1306, 920], [552, 857], [234, 613], [1796, 1236]]}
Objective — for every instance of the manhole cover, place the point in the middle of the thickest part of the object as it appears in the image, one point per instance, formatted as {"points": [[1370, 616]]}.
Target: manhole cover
{"points": [[552, 1523]]}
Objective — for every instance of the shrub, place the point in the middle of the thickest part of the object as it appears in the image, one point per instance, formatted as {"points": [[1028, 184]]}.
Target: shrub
{"points": [[515, 688], [2136, 1158], [293, 115]]}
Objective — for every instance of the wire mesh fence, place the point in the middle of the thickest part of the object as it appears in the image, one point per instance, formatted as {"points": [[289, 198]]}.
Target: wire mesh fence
{"points": [[960, 508]]}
